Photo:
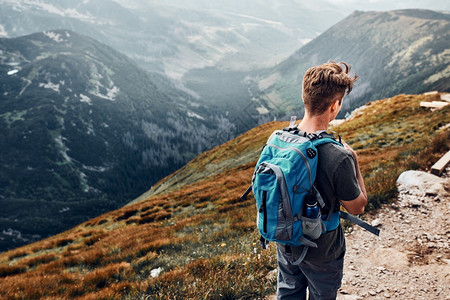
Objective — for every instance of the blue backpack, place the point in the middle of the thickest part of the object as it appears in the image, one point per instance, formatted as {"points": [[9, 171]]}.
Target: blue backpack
{"points": [[283, 181]]}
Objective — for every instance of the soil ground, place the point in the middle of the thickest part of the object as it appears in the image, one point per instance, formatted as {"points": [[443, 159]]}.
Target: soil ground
{"points": [[411, 257]]}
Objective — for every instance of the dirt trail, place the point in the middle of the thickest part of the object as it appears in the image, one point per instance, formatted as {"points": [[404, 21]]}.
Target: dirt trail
{"points": [[410, 259]]}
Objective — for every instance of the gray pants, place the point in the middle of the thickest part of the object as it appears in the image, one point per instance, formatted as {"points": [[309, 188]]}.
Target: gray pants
{"points": [[322, 279]]}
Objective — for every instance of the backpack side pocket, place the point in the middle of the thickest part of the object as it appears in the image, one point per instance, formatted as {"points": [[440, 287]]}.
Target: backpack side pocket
{"points": [[272, 201], [313, 228], [266, 187]]}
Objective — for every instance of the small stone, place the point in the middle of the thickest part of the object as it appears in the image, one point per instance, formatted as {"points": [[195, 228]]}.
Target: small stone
{"points": [[351, 267], [343, 292], [414, 203], [155, 272], [386, 295], [372, 293], [376, 222]]}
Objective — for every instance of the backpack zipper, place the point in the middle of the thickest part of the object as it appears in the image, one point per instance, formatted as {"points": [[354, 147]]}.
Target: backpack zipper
{"points": [[263, 210]]}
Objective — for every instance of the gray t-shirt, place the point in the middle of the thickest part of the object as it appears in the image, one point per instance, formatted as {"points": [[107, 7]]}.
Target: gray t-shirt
{"points": [[335, 180]]}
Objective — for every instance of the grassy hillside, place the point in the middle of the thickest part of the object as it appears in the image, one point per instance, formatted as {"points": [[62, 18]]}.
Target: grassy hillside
{"points": [[195, 230]]}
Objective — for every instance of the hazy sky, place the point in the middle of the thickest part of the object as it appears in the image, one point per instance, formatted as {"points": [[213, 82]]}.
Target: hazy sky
{"points": [[390, 4]]}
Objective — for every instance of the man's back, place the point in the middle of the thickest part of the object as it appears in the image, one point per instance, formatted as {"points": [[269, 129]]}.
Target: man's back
{"points": [[338, 179], [333, 183]]}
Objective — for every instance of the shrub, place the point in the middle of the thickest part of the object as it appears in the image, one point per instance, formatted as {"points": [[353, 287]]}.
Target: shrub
{"points": [[94, 239], [127, 214], [91, 258], [150, 211], [38, 260], [144, 261], [63, 242], [147, 219], [157, 216], [132, 221], [102, 222], [17, 254], [99, 278], [11, 270]]}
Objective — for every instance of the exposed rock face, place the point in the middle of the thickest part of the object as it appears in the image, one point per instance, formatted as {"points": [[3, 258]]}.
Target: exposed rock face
{"points": [[421, 182]]}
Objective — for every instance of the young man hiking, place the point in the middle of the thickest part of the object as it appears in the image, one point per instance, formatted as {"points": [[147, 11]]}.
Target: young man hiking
{"points": [[338, 181]]}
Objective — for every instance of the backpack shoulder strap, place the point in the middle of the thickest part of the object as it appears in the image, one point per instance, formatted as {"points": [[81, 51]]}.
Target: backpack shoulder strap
{"points": [[324, 136], [319, 138], [357, 221]]}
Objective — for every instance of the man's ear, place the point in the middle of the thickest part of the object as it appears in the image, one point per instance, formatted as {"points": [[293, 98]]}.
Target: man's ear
{"points": [[334, 106], [337, 103]]}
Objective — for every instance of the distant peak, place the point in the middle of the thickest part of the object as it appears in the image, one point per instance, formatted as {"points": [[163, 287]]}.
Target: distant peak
{"points": [[58, 35]]}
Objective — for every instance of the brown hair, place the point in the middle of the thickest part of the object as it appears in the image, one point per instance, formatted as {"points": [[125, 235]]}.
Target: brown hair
{"points": [[323, 84]]}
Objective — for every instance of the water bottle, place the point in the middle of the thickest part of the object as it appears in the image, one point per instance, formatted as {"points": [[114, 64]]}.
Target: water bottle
{"points": [[312, 207]]}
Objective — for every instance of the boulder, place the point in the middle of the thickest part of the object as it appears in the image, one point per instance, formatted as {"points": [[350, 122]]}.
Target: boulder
{"points": [[425, 182]]}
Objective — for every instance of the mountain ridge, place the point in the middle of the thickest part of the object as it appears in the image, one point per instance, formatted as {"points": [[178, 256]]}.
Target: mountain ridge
{"points": [[407, 51], [92, 129], [175, 37]]}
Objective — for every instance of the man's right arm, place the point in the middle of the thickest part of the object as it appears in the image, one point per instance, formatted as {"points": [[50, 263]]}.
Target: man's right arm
{"points": [[356, 206]]}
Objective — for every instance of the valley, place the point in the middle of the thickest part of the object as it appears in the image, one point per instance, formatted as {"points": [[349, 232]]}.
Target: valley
{"points": [[86, 131]]}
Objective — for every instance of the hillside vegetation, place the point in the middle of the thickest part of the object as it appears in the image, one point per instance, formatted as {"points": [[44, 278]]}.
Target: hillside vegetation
{"points": [[193, 237]]}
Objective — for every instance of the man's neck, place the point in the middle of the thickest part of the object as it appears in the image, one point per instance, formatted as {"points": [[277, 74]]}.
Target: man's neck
{"points": [[311, 124]]}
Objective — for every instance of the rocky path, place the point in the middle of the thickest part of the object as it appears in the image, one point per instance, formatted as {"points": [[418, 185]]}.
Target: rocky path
{"points": [[410, 259]]}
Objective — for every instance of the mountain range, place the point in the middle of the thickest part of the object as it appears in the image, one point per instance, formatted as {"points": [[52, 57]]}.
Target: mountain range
{"points": [[402, 51], [174, 37], [194, 236], [232, 53], [84, 131]]}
